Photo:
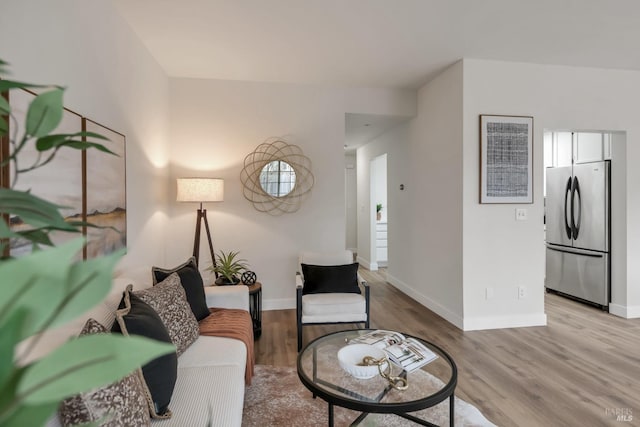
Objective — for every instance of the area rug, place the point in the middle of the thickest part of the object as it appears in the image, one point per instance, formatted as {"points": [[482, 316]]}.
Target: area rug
{"points": [[276, 397]]}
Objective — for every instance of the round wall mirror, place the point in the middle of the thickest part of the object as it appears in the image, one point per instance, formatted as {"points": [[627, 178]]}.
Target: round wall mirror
{"points": [[277, 178]]}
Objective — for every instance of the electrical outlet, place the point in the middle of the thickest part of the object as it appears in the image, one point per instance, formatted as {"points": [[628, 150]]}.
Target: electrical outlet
{"points": [[522, 292], [488, 293], [521, 214]]}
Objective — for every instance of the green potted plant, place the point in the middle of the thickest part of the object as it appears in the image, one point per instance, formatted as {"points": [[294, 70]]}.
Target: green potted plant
{"points": [[228, 267], [379, 211], [50, 285]]}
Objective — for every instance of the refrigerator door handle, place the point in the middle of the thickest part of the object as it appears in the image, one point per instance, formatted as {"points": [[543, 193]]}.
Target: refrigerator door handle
{"points": [[576, 251], [567, 227], [575, 191]]}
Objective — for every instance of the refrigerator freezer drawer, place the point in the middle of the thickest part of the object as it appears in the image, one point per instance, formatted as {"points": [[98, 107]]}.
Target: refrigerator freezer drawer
{"points": [[582, 274]]}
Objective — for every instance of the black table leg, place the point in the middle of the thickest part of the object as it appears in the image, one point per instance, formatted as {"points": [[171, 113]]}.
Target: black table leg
{"points": [[330, 415], [451, 411]]}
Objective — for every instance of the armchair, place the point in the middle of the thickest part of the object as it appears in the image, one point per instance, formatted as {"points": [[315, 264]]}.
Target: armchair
{"points": [[334, 304]]}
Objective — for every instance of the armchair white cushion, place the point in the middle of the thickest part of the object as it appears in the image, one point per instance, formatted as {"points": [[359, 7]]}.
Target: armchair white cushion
{"points": [[329, 308]]}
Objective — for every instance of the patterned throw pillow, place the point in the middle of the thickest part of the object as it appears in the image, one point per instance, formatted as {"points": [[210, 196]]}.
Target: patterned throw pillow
{"points": [[168, 299], [124, 402], [192, 283], [135, 317]]}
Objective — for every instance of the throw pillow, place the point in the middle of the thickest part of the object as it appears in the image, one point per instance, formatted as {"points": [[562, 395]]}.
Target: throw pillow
{"points": [[330, 279], [123, 402], [135, 317], [168, 299], [191, 281]]}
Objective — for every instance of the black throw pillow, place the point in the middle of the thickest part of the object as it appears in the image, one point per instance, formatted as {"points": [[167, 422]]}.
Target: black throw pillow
{"points": [[330, 279], [191, 282], [135, 317]]}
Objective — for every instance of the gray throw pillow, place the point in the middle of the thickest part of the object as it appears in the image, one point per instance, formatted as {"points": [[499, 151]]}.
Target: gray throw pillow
{"points": [[123, 403], [168, 299]]}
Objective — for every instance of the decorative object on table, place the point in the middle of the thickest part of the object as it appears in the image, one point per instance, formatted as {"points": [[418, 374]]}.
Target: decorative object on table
{"points": [[358, 360], [228, 268], [201, 190], [379, 211], [276, 177], [407, 353], [506, 159], [248, 278]]}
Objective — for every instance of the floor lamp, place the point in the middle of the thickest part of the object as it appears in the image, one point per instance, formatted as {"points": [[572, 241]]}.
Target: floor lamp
{"points": [[201, 190]]}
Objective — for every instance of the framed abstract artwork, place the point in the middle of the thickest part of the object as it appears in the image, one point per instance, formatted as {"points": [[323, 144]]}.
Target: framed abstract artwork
{"points": [[105, 193], [59, 181], [89, 185], [506, 159]]}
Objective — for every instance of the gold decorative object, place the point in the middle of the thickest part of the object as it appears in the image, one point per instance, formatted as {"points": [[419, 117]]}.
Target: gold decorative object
{"points": [[398, 383], [276, 177]]}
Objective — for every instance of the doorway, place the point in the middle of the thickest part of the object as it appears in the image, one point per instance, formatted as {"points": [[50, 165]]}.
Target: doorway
{"points": [[379, 211]]}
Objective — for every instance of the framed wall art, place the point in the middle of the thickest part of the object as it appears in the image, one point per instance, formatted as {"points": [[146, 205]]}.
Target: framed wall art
{"points": [[59, 181], [506, 159], [106, 195], [90, 185]]}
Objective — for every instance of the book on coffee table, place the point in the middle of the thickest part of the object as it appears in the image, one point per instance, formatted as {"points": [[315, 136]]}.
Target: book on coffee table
{"points": [[408, 353]]}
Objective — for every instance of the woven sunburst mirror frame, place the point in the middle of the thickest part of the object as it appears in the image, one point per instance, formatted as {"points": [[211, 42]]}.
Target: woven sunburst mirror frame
{"points": [[276, 150]]}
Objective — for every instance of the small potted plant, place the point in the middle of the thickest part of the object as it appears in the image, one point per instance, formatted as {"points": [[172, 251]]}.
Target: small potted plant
{"points": [[228, 267], [379, 211]]}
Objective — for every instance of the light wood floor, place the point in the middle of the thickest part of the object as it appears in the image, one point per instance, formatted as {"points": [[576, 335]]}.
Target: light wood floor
{"points": [[576, 371]]}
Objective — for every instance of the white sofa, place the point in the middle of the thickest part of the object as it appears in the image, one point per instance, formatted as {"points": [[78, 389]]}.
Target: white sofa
{"points": [[209, 390]]}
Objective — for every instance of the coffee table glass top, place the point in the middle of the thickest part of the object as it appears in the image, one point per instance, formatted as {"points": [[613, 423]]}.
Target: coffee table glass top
{"points": [[320, 372]]}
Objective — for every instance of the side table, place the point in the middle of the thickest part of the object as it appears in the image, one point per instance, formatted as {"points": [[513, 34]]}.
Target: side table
{"points": [[255, 308]]}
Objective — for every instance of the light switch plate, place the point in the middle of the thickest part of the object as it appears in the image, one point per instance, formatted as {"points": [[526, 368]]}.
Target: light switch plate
{"points": [[521, 214]]}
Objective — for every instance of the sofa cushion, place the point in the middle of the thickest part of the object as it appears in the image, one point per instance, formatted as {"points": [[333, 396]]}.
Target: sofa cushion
{"points": [[330, 278], [135, 317], [191, 281], [168, 299], [124, 401]]}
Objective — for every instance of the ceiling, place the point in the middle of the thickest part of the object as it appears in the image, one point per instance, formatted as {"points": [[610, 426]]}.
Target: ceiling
{"points": [[378, 43]]}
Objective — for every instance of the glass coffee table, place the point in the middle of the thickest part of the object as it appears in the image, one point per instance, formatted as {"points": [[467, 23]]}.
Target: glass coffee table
{"points": [[319, 371]]}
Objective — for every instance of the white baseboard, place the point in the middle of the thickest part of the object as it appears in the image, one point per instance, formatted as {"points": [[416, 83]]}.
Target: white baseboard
{"points": [[371, 266], [469, 324], [504, 322], [628, 312], [432, 305]]}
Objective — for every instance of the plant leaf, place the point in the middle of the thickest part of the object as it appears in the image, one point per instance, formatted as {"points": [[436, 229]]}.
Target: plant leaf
{"points": [[69, 140], [11, 84], [39, 282], [5, 108], [9, 338], [30, 415], [32, 210], [72, 368], [89, 283], [45, 113], [36, 236]]}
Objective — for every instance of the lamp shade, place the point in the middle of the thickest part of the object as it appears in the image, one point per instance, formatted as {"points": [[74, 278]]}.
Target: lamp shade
{"points": [[200, 190]]}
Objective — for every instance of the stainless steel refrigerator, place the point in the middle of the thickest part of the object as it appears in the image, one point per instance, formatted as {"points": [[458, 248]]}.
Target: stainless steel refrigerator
{"points": [[578, 231]]}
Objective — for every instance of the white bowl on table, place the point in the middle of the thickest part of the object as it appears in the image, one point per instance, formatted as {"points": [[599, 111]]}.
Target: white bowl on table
{"points": [[350, 359]]}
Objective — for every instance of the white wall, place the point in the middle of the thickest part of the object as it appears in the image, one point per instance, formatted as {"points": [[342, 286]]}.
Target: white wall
{"points": [[394, 144], [503, 253], [432, 273], [351, 201], [215, 124], [112, 79]]}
